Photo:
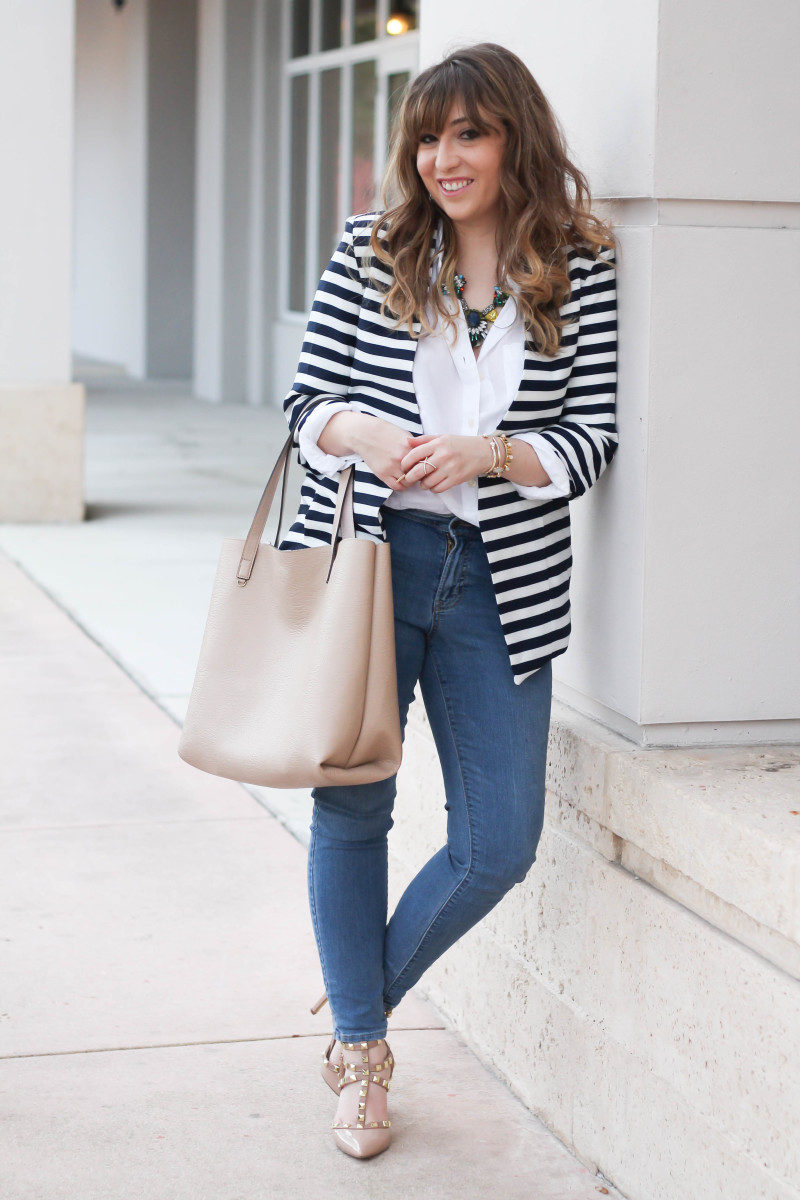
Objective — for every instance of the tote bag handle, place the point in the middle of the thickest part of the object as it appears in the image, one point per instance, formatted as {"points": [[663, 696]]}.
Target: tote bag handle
{"points": [[343, 516]]}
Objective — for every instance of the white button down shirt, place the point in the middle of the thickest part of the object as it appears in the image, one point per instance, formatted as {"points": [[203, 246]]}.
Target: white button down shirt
{"points": [[457, 393]]}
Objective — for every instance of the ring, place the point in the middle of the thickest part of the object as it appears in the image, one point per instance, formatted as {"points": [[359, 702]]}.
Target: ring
{"points": [[425, 464]]}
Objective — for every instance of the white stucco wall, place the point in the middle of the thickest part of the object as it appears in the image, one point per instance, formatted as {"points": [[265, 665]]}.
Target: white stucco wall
{"points": [[110, 183], [687, 554]]}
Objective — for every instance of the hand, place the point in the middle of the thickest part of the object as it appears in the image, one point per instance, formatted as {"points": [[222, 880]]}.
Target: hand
{"points": [[382, 445], [455, 459]]}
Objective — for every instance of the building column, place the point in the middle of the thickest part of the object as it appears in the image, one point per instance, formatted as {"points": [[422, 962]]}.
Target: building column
{"points": [[41, 410], [686, 620], [238, 94]]}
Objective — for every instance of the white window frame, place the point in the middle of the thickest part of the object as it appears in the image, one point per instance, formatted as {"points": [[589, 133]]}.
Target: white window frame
{"points": [[391, 54]]}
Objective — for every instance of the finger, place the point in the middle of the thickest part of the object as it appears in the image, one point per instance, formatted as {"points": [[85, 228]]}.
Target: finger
{"points": [[427, 478], [413, 458], [443, 485]]}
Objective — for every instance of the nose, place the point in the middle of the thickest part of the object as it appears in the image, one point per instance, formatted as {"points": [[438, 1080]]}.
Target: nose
{"points": [[446, 156]]}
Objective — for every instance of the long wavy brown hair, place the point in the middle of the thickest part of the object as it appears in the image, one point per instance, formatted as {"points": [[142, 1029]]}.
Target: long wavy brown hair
{"points": [[539, 217]]}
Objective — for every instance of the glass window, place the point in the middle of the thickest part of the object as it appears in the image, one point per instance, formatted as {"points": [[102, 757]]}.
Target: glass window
{"points": [[363, 174], [301, 28], [394, 94], [340, 103], [402, 17], [298, 141], [365, 20], [329, 166], [331, 33]]}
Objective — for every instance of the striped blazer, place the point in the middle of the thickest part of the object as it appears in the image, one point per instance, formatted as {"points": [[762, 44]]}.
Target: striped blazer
{"points": [[350, 350]]}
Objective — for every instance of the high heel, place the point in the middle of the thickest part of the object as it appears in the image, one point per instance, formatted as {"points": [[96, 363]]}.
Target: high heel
{"points": [[362, 1138], [330, 1069]]}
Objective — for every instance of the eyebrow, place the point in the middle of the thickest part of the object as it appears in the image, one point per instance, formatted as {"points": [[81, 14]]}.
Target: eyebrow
{"points": [[460, 121]]}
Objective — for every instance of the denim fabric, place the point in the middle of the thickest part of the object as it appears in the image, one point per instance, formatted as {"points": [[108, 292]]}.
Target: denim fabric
{"points": [[491, 737]]}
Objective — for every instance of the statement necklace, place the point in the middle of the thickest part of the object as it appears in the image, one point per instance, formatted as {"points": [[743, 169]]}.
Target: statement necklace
{"points": [[478, 319]]}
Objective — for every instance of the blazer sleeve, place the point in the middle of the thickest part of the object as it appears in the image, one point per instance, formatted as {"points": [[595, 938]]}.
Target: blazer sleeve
{"points": [[326, 355], [585, 436]]}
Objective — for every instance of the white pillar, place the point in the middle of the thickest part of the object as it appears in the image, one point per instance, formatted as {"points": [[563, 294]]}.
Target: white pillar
{"points": [[111, 184], [686, 627], [41, 411], [209, 199], [233, 238]]}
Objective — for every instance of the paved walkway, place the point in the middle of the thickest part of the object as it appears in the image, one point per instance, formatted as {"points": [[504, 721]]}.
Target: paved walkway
{"points": [[157, 956]]}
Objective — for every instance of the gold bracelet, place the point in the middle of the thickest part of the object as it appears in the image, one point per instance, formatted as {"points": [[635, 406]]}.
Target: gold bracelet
{"points": [[496, 439], [491, 440], [509, 458]]}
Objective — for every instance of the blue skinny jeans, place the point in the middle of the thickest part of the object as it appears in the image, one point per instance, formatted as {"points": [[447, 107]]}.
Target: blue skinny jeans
{"points": [[491, 738]]}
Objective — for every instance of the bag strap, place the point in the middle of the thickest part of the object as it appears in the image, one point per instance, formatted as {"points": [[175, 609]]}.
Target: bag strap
{"points": [[343, 516]]}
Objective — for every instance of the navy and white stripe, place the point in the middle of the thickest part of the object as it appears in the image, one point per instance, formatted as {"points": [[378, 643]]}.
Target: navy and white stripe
{"points": [[351, 351]]}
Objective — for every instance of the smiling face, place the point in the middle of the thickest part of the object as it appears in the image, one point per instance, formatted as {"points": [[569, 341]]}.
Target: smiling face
{"points": [[460, 167]]}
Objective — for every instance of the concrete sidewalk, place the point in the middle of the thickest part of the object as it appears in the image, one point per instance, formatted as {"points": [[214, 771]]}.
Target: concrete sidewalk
{"points": [[157, 956]]}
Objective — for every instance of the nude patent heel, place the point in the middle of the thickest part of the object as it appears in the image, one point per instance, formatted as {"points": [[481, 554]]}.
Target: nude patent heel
{"points": [[362, 1138], [331, 1070], [331, 1067]]}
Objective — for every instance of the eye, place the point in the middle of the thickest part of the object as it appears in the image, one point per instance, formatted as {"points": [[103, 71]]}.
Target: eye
{"points": [[424, 138], [473, 133]]}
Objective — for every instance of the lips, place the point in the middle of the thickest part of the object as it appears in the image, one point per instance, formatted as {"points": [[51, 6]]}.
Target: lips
{"points": [[456, 185]]}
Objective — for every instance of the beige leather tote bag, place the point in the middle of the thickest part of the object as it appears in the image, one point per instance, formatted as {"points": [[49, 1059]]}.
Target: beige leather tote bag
{"points": [[296, 683]]}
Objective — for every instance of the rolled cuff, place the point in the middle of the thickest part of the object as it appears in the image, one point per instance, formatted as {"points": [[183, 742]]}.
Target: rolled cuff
{"points": [[310, 430], [559, 484]]}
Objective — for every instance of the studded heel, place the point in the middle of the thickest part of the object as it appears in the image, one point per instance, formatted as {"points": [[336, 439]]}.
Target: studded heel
{"points": [[332, 1064], [330, 1069], [363, 1138]]}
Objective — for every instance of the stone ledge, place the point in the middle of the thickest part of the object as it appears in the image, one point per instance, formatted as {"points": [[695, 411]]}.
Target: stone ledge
{"points": [[639, 990], [713, 828], [716, 828]]}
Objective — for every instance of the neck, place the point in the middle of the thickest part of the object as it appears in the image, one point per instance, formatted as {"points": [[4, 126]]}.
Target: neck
{"points": [[477, 236], [476, 244]]}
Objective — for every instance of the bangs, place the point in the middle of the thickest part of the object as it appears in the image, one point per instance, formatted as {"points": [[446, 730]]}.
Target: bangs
{"points": [[428, 110]]}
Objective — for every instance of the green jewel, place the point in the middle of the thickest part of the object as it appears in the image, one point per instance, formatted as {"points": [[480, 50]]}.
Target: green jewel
{"points": [[478, 319]]}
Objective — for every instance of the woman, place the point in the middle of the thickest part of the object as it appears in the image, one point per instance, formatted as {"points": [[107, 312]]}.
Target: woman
{"points": [[461, 352]]}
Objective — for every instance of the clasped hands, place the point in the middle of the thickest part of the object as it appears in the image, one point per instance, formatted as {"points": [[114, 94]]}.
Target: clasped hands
{"points": [[452, 459], [397, 457]]}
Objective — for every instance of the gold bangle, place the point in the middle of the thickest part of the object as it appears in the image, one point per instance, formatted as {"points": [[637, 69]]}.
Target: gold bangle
{"points": [[490, 439], [509, 458]]}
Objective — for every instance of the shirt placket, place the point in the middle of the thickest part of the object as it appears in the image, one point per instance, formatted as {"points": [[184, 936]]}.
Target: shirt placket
{"points": [[469, 413]]}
